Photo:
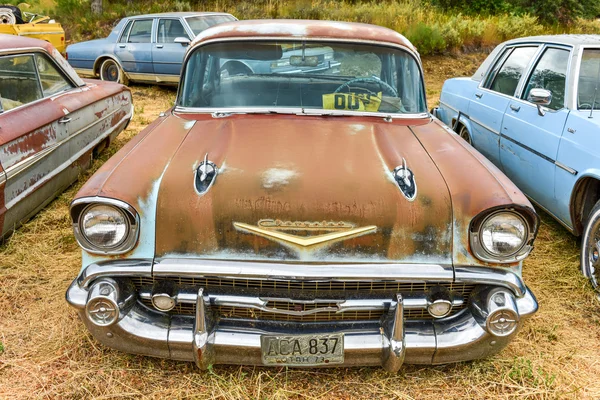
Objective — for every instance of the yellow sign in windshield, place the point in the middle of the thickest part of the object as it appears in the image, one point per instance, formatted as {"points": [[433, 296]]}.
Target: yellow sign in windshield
{"points": [[352, 101]]}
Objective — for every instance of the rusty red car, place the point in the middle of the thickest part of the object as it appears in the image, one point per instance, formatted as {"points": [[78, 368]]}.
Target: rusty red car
{"points": [[316, 217], [51, 123]]}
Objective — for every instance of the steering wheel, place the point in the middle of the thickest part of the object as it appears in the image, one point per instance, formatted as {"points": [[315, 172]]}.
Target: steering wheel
{"points": [[371, 79]]}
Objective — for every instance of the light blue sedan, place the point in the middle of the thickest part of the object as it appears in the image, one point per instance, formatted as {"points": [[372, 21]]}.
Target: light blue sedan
{"points": [[145, 48], [533, 108]]}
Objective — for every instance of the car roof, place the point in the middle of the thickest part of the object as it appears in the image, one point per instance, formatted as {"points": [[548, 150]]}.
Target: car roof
{"points": [[306, 29], [179, 14], [571, 40], [8, 42]]}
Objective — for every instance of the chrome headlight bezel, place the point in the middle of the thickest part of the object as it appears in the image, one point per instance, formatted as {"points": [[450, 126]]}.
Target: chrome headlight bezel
{"points": [[79, 208], [530, 223]]}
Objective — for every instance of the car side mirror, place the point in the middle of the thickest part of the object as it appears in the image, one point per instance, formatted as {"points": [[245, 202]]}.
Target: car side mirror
{"points": [[541, 98], [183, 41]]}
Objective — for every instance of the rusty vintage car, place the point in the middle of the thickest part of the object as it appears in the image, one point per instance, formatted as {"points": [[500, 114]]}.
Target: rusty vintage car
{"points": [[51, 123], [313, 218]]}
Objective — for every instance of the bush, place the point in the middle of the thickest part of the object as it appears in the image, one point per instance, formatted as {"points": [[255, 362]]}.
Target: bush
{"points": [[427, 39]]}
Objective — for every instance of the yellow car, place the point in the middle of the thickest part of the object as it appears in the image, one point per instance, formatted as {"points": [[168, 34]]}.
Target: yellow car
{"points": [[13, 22]]}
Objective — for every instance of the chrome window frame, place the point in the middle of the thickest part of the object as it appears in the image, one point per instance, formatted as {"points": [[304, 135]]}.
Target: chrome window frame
{"points": [[298, 110], [502, 58], [529, 71]]}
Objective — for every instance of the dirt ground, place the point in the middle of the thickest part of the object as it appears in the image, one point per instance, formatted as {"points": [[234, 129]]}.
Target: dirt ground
{"points": [[45, 351]]}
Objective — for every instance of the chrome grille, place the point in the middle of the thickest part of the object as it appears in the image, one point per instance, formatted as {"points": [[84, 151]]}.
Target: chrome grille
{"points": [[307, 287], [322, 289]]}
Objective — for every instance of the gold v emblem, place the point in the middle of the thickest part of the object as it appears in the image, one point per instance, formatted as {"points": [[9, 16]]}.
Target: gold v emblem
{"points": [[304, 241]]}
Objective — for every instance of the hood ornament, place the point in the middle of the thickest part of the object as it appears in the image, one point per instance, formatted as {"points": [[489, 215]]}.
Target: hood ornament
{"points": [[405, 179], [205, 175]]}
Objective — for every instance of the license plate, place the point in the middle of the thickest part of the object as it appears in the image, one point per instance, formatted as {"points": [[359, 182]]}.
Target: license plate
{"points": [[302, 350]]}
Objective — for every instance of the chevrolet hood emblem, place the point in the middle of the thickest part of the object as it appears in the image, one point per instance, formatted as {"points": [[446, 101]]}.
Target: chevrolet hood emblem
{"points": [[276, 230]]}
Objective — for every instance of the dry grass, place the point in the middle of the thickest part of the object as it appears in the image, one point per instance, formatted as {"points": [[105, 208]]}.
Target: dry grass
{"points": [[47, 353]]}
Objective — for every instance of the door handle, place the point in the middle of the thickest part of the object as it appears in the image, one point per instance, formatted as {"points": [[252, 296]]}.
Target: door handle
{"points": [[159, 46], [122, 46], [515, 108], [479, 95], [64, 120]]}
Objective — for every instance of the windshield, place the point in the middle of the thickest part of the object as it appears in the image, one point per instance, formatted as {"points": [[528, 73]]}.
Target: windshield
{"points": [[199, 24], [314, 75]]}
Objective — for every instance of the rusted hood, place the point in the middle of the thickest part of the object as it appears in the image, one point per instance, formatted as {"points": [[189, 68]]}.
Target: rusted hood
{"points": [[285, 179]]}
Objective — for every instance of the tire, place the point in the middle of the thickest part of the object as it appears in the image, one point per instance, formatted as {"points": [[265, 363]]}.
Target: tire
{"points": [[463, 132], [10, 15], [590, 247], [111, 71]]}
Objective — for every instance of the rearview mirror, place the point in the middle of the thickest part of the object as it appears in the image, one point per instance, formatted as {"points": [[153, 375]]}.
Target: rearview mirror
{"points": [[182, 40], [541, 98], [307, 61]]}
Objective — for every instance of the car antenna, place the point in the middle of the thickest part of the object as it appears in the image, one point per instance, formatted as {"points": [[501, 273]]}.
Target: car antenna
{"points": [[595, 92]]}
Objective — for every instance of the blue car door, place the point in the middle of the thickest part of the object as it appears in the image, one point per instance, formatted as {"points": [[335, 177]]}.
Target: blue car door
{"points": [[166, 54], [530, 138], [134, 49], [489, 102]]}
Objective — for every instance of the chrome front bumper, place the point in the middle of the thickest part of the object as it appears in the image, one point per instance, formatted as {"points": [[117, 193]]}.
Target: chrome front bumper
{"points": [[389, 342]]}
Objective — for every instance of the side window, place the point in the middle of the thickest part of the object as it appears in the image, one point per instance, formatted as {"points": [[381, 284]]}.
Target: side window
{"points": [[125, 35], [141, 31], [19, 82], [169, 30], [589, 79], [550, 73], [508, 76], [51, 79]]}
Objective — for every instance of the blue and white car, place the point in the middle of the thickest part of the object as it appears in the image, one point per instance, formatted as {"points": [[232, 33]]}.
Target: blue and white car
{"points": [[533, 108], [145, 48]]}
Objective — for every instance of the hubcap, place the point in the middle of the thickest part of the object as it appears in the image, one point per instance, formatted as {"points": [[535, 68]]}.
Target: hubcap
{"points": [[112, 73], [593, 250]]}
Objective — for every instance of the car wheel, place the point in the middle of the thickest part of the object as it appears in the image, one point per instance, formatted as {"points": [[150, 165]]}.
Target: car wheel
{"points": [[464, 134], [112, 72], [590, 247]]}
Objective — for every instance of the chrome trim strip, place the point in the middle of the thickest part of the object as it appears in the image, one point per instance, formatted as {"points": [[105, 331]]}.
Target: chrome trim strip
{"points": [[563, 166], [491, 276], [295, 111], [484, 126], [2, 177], [114, 268], [17, 168], [84, 71], [69, 161], [443, 103], [269, 270], [153, 77]]}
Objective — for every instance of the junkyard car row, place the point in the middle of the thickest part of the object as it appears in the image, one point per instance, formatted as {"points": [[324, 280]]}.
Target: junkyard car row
{"points": [[299, 205]]}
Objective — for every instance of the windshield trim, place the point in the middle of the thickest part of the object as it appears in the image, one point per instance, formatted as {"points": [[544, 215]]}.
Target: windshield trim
{"points": [[194, 47], [297, 111]]}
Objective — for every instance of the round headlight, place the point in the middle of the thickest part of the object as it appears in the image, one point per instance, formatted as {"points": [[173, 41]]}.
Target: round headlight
{"points": [[503, 234], [104, 226]]}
